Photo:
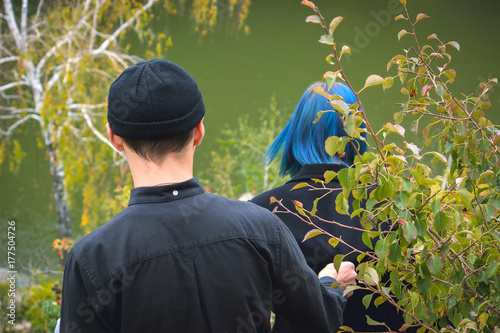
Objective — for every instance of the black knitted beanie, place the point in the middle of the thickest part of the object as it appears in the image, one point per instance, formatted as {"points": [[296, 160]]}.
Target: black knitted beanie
{"points": [[154, 99]]}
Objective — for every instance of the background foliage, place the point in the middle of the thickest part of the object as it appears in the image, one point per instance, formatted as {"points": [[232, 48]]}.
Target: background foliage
{"points": [[57, 60], [237, 169]]}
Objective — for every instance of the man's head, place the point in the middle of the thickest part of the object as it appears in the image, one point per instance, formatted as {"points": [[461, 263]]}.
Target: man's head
{"points": [[154, 107]]}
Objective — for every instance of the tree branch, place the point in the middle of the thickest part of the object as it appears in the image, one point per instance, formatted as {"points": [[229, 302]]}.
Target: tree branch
{"points": [[11, 21], [52, 51], [14, 110], [18, 123], [122, 28], [8, 59], [24, 21], [38, 11], [97, 133], [13, 84]]}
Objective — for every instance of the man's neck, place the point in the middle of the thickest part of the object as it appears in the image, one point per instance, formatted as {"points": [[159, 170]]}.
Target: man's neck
{"points": [[173, 169]]}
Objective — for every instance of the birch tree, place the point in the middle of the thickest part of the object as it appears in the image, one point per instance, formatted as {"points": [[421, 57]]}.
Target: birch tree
{"points": [[57, 60]]}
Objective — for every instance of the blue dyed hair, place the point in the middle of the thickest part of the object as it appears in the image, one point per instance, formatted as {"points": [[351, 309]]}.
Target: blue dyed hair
{"points": [[301, 142]]}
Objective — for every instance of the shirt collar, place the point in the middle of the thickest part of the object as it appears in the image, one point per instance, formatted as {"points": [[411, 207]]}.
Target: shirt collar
{"points": [[165, 193], [309, 171]]}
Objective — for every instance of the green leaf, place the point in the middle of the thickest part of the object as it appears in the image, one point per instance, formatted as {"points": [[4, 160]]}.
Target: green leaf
{"points": [[374, 80], [321, 91], [351, 125], [379, 300], [371, 276], [454, 44], [466, 197], [370, 203], [442, 221], [400, 17], [486, 211], [346, 329], [341, 204], [309, 4], [436, 206], [385, 190], [433, 36], [313, 19], [337, 261], [435, 264], [299, 207], [440, 157], [424, 285], [401, 199], [407, 185], [492, 269], [397, 118], [421, 16], [440, 90], [370, 321], [315, 205], [402, 32], [335, 22], [366, 300], [329, 175], [345, 49], [340, 106], [311, 233], [381, 248], [333, 242], [450, 73], [300, 185], [388, 82], [414, 148], [349, 289], [343, 177], [330, 78], [394, 252], [483, 319], [326, 39], [414, 126], [391, 128], [395, 283], [367, 240], [332, 145], [409, 232]]}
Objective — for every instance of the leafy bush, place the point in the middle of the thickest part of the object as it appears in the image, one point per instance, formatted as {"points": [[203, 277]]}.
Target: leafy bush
{"points": [[440, 199], [41, 302]]}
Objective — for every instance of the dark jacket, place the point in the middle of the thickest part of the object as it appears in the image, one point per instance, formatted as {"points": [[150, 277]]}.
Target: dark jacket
{"points": [[317, 251], [178, 259]]}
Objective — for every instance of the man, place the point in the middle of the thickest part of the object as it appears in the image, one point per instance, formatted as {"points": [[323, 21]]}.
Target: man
{"points": [[179, 259]]}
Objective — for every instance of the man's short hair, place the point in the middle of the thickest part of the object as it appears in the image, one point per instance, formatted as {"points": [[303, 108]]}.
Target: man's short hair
{"points": [[156, 150]]}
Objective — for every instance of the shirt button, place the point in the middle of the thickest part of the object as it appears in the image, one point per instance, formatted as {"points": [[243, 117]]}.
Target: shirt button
{"points": [[175, 192]]}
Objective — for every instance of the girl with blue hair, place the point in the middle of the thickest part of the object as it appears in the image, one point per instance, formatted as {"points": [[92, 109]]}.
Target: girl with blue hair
{"points": [[302, 141], [301, 147]]}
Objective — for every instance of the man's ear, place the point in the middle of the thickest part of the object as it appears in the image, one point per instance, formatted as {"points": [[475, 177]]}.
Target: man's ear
{"points": [[115, 140], [199, 133]]}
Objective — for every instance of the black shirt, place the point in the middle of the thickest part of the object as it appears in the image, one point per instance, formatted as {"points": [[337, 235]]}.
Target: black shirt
{"points": [[317, 251], [179, 259]]}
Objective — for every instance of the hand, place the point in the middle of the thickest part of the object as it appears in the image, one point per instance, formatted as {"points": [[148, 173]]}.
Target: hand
{"points": [[346, 274]]}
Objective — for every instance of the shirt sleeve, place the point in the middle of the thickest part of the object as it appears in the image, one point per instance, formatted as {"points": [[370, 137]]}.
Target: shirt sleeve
{"points": [[306, 303], [79, 305]]}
